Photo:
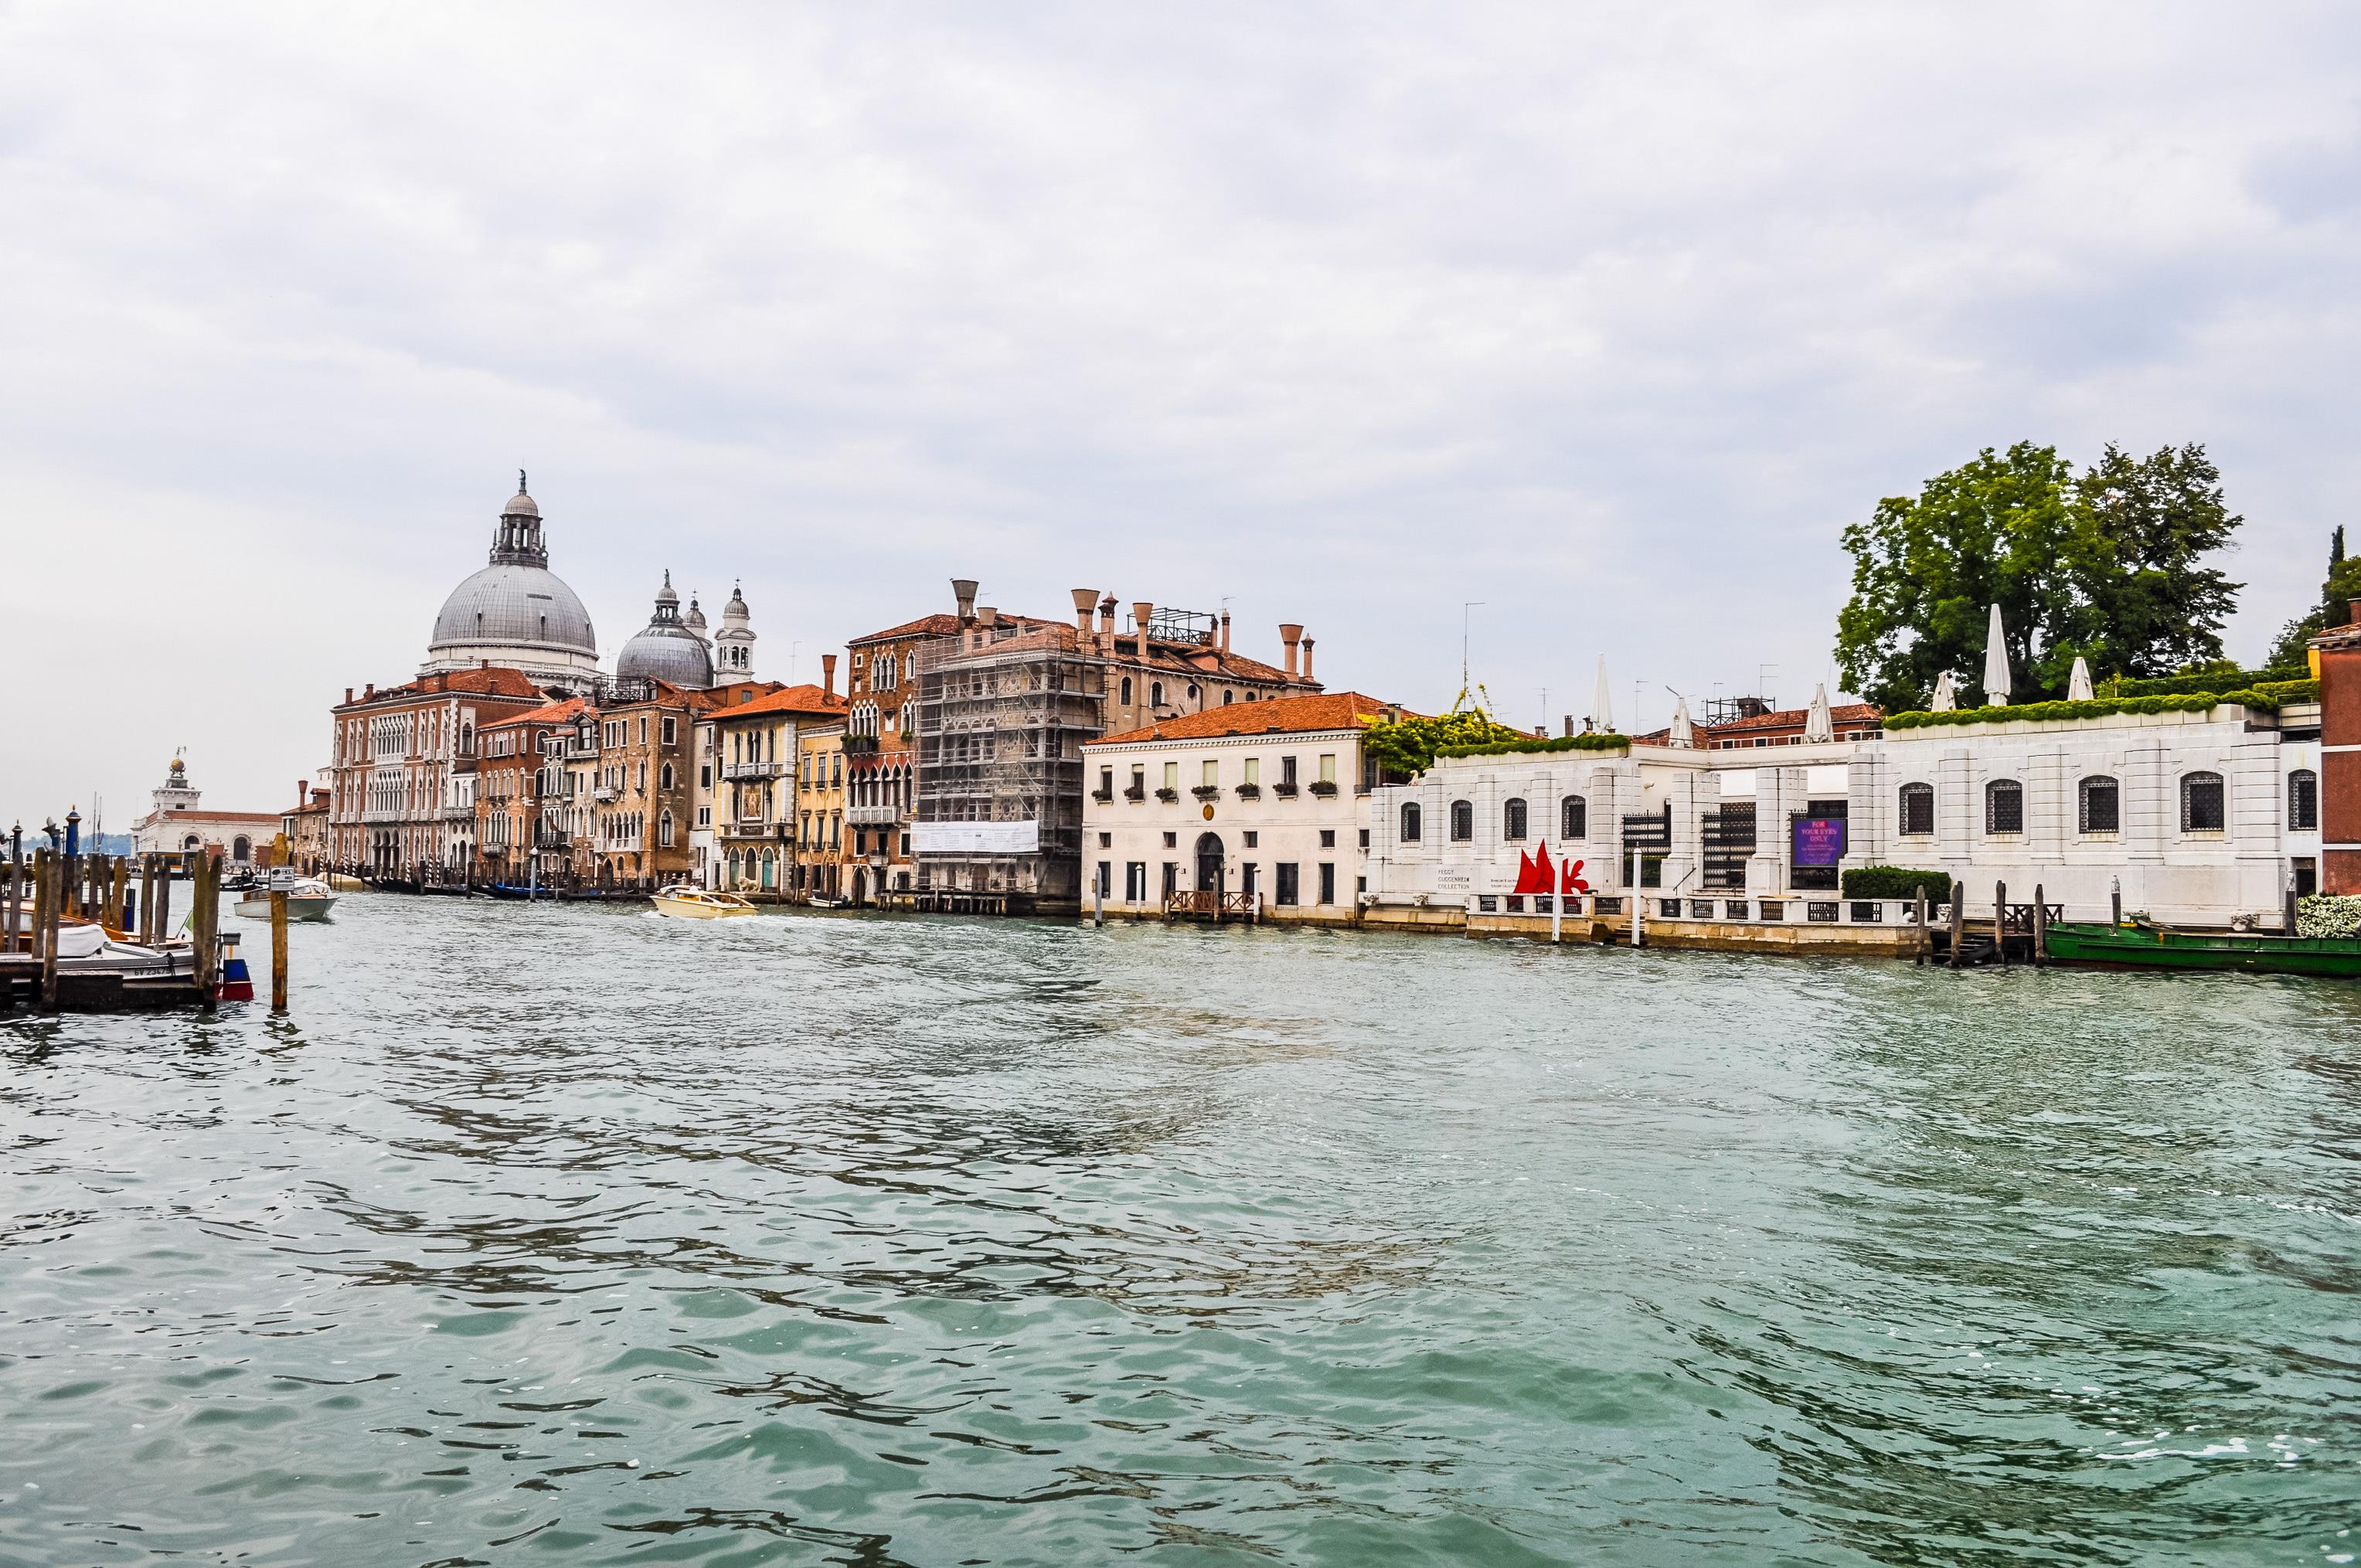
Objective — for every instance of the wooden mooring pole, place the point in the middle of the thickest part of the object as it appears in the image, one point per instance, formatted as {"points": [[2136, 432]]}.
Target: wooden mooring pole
{"points": [[278, 953], [53, 897], [118, 884], [2040, 929], [1926, 937], [1959, 919], [14, 912], [205, 918], [148, 898], [1999, 923]]}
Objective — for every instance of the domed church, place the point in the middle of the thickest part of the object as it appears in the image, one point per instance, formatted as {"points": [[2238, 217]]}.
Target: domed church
{"points": [[669, 649], [516, 612]]}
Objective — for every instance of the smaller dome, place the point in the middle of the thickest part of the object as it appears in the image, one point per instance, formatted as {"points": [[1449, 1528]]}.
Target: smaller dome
{"points": [[664, 594], [666, 649], [521, 504], [735, 612], [694, 619]]}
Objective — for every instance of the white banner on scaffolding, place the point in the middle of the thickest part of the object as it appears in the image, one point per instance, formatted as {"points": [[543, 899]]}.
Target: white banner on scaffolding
{"points": [[976, 838]]}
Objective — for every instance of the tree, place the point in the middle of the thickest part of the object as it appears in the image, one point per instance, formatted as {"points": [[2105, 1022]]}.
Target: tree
{"points": [[2336, 606], [2152, 607], [1928, 568], [2109, 567]]}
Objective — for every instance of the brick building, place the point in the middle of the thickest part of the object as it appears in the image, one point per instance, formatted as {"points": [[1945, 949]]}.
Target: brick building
{"points": [[393, 757]]}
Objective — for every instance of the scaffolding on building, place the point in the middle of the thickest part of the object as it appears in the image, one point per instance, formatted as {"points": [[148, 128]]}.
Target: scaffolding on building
{"points": [[1003, 712]]}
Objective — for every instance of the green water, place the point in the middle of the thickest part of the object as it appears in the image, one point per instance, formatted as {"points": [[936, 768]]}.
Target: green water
{"points": [[574, 1234]]}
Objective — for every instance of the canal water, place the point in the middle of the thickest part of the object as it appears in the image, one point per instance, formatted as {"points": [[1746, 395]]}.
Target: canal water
{"points": [[576, 1234]]}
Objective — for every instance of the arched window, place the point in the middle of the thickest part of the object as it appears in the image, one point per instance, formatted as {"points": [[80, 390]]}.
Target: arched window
{"points": [[1155, 693], [241, 848], [663, 830], [2303, 801], [1463, 822], [1410, 822], [1228, 696], [1573, 818], [1919, 808], [2100, 808], [2201, 803], [2003, 806], [1126, 690], [667, 777], [1512, 819]]}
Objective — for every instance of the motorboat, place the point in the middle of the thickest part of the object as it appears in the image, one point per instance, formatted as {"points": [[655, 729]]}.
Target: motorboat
{"points": [[699, 904], [308, 898]]}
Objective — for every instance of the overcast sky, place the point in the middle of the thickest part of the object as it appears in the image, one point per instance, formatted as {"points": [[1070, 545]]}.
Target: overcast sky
{"points": [[1607, 317]]}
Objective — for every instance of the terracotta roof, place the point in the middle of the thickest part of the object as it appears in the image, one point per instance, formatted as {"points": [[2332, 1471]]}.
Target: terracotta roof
{"points": [[547, 713], [935, 626], [1279, 716], [1852, 713], [806, 699], [489, 681]]}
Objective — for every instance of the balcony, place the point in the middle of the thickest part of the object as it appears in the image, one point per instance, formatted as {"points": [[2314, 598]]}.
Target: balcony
{"points": [[753, 769], [872, 816]]}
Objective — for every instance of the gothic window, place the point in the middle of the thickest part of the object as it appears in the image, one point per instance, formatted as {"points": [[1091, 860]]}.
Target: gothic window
{"points": [[2303, 801], [2003, 806], [2100, 805], [1155, 693], [663, 830], [1918, 809], [2201, 803], [1512, 819], [1463, 822], [667, 780], [1410, 823], [1126, 690], [1573, 818]]}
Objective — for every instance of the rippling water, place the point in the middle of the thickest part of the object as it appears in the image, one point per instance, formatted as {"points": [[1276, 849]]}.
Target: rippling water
{"points": [[575, 1233]]}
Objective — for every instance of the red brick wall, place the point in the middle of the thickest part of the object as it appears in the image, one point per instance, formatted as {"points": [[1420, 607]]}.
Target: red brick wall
{"points": [[2340, 771]]}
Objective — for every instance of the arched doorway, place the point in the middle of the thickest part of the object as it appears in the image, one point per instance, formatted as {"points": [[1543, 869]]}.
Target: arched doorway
{"points": [[861, 887], [1209, 862]]}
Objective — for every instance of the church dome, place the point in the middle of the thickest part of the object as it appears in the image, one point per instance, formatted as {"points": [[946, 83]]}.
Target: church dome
{"points": [[666, 649], [515, 611]]}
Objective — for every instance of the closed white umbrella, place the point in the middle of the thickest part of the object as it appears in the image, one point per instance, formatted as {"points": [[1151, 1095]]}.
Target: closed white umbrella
{"points": [[2077, 685], [1946, 695], [1820, 724], [1995, 664], [1684, 732], [1602, 708]]}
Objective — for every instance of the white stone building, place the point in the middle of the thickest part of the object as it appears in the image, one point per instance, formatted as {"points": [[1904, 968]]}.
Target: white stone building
{"points": [[1251, 807], [2200, 818], [177, 824]]}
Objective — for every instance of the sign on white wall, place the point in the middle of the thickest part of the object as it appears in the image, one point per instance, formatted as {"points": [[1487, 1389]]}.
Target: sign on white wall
{"points": [[975, 837]]}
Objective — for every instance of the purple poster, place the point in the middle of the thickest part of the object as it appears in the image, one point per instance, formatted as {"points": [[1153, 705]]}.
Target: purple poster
{"points": [[1819, 841]]}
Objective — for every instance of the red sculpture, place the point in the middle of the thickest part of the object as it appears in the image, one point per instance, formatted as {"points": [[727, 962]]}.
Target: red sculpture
{"points": [[1535, 874]]}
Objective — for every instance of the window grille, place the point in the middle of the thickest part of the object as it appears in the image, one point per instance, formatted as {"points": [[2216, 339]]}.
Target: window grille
{"points": [[2003, 806], [1512, 819], [2201, 803], [1410, 822], [1573, 818], [1917, 809], [2303, 801], [2102, 807], [1463, 821]]}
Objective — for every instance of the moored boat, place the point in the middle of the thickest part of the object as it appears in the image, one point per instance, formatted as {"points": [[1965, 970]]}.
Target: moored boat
{"points": [[2147, 946], [699, 904], [307, 898]]}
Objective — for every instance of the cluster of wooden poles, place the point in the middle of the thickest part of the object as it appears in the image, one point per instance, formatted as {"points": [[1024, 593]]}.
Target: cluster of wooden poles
{"points": [[2037, 919], [98, 887]]}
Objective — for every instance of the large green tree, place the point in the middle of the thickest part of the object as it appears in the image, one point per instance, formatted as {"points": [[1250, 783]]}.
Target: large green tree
{"points": [[2153, 605], [2109, 566], [1927, 570]]}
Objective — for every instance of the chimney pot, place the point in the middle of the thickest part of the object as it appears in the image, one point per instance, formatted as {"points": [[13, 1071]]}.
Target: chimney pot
{"points": [[1142, 612], [827, 674], [1307, 658], [987, 616], [1084, 599], [1107, 614], [1225, 632], [369, 691], [963, 590], [1291, 634], [348, 696]]}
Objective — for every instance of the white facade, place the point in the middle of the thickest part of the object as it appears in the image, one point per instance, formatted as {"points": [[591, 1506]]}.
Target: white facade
{"points": [[1279, 815], [2027, 804], [176, 824]]}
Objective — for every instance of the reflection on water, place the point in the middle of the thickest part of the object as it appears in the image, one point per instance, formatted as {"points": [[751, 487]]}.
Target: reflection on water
{"points": [[575, 1233]]}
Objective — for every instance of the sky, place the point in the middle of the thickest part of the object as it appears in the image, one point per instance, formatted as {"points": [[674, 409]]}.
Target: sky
{"points": [[1608, 318]]}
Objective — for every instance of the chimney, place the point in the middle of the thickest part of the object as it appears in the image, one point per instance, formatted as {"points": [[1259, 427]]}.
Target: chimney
{"points": [[369, 691], [1225, 632], [964, 590], [1307, 658], [302, 788], [1142, 612], [1291, 634], [827, 674], [987, 616], [1084, 599], [1107, 616], [348, 696]]}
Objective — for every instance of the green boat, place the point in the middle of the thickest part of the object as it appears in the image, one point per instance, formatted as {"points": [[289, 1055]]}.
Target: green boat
{"points": [[2144, 946]]}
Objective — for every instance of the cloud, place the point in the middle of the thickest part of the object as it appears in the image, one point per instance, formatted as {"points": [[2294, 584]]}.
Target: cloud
{"points": [[1610, 317]]}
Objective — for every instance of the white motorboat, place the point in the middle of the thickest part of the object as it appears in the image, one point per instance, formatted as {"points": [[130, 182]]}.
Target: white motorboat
{"points": [[308, 898], [699, 904]]}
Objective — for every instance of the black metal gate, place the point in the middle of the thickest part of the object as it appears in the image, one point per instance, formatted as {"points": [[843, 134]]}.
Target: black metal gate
{"points": [[1729, 834], [1647, 839]]}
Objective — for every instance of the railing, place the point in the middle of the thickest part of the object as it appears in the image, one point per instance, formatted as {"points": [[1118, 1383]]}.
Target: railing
{"points": [[753, 769], [872, 816], [1209, 903]]}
